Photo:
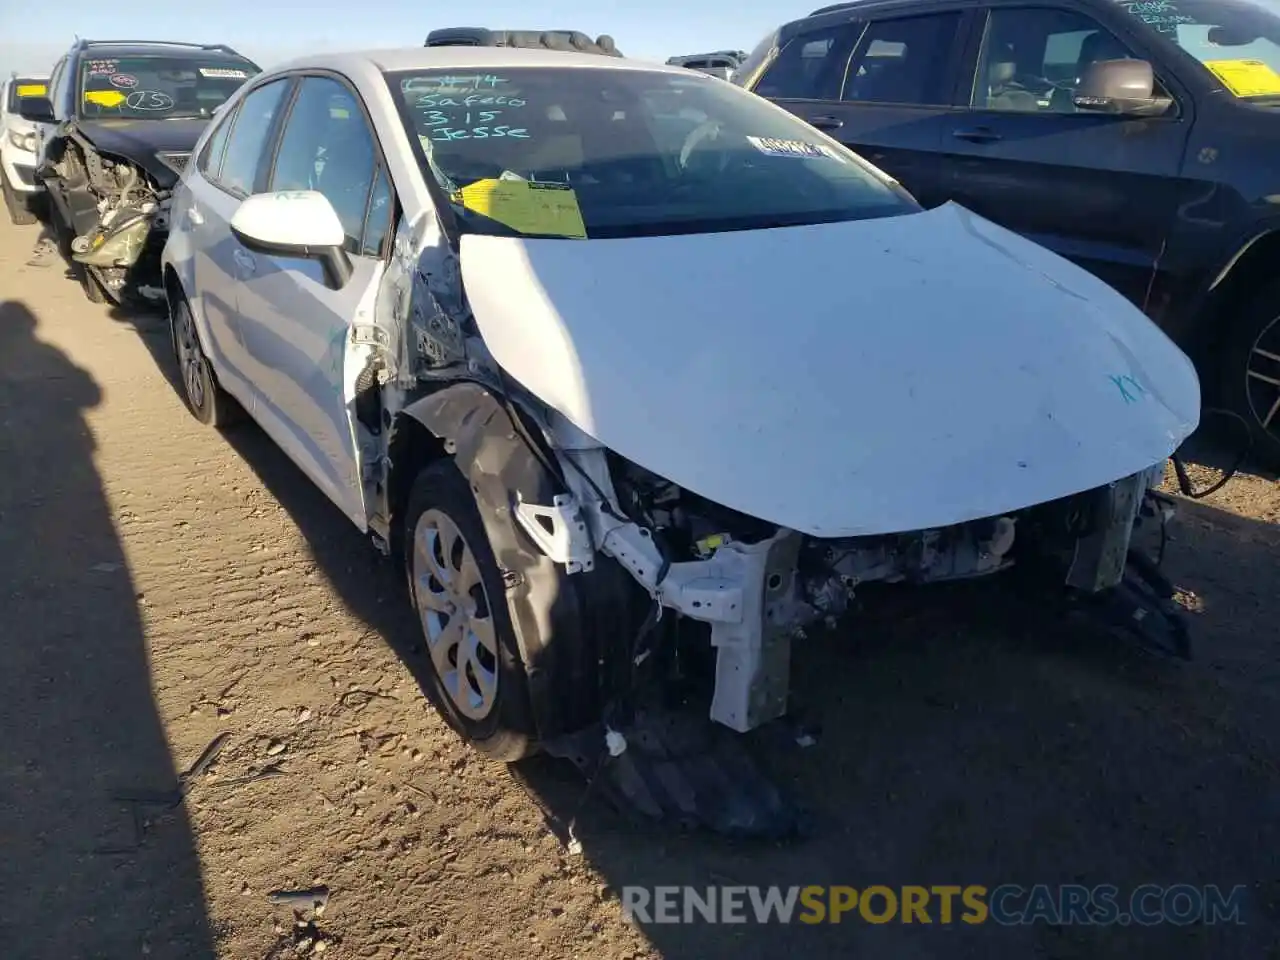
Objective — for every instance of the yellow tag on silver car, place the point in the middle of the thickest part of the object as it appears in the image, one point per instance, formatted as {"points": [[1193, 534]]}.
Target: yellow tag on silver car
{"points": [[549, 209]]}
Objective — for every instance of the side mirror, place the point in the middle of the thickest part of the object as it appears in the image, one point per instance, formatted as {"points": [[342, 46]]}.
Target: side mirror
{"points": [[36, 109], [295, 223], [1126, 87]]}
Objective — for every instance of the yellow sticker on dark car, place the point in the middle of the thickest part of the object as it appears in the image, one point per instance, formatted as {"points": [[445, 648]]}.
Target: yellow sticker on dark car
{"points": [[105, 98], [1246, 78], [32, 90]]}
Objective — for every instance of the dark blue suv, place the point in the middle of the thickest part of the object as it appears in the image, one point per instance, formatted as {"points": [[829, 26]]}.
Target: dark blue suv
{"points": [[1140, 139]]}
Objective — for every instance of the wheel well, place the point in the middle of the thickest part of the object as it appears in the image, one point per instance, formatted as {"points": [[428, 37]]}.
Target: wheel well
{"points": [[411, 450], [173, 291], [1254, 269]]}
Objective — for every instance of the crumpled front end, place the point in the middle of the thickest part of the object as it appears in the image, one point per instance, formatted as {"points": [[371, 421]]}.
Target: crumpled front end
{"points": [[119, 217]]}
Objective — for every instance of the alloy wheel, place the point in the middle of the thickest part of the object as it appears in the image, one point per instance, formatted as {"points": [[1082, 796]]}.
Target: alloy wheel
{"points": [[190, 358], [456, 617], [1262, 378]]}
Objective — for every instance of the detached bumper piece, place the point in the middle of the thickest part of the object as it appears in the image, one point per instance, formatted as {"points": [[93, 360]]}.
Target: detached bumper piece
{"points": [[1141, 609], [676, 767]]}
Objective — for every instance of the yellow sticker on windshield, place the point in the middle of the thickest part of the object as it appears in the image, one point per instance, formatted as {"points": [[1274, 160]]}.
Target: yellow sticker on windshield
{"points": [[550, 209], [1246, 78], [105, 98], [32, 89]]}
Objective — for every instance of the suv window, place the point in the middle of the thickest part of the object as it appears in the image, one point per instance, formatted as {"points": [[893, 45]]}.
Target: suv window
{"points": [[903, 61], [1239, 43], [811, 65], [327, 146], [57, 81], [21, 87], [1033, 57], [158, 86], [248, 137]]}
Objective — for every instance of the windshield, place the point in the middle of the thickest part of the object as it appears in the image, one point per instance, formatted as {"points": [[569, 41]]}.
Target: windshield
{"points": [[21, 87], [1236, 40], [159, 87], [620, 153]]}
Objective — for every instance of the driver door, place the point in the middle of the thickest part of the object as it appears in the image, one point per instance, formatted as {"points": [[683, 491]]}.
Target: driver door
{"points": [[1099, 190], [296, 327]]}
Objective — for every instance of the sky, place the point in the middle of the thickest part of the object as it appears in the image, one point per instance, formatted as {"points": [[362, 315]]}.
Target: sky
{"points": [[33, 36]]}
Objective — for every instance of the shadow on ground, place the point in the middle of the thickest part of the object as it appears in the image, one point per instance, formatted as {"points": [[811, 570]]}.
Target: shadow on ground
{"points": [[972, 739], [76, 708]]}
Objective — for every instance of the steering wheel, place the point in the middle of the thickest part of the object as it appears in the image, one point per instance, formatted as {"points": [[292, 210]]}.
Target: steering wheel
{"points": [[700, 136], [1033, 83]]}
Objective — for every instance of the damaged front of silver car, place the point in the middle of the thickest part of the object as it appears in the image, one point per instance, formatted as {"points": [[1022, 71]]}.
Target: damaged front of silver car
{"points": [[668, 501]]}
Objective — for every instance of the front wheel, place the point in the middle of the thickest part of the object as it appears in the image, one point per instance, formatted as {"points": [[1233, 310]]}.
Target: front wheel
{"points": [[19, 207], [479, 680], [1250, 374]]}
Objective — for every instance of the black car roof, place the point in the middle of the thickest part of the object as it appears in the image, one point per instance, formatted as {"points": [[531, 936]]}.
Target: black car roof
{"points": [[110, 49]]}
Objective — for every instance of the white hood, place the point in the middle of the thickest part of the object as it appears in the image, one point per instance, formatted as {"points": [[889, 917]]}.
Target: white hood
{"points": [[843, 379]]}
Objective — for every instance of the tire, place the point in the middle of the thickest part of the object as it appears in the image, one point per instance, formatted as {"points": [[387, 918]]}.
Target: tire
{"points": [[93, 289], [486, 701], [204, 396], [1249, 378], [19, 209]]}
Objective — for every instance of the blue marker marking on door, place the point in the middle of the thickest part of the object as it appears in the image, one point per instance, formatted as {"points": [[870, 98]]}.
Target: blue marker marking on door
{"points": [[1129, 388]]}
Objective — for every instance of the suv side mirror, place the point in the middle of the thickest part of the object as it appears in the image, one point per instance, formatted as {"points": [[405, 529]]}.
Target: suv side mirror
{"points": [[295, 223], [1126, 87], [36, 109]]}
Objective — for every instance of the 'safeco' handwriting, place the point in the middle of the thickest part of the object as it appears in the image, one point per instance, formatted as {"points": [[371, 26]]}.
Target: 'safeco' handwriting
{"points": [[473, 100], [458, 117]]}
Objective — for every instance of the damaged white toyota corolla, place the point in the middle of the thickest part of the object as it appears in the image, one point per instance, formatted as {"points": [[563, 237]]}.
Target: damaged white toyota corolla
{"points": [[627, 364]]}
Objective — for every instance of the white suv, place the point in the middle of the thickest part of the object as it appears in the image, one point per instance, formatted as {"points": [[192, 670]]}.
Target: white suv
{"points": [[19, 148]]}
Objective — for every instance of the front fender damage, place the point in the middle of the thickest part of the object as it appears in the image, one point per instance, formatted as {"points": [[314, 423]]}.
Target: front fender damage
{"points": [[610, 569]]}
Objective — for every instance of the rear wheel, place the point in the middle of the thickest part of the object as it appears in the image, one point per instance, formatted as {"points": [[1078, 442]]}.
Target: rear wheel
{"points": [[205, 398], [481, 687], [1250, 375], [19, 207]]}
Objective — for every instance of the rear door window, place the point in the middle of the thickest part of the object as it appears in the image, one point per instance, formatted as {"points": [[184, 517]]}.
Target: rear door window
{"points": [[904, 61], [209, 162], [811, 66]]}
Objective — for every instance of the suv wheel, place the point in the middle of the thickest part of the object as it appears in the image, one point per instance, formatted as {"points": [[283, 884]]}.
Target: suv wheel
{"points": [[479, 679], [1250, 376], [18, 206]]}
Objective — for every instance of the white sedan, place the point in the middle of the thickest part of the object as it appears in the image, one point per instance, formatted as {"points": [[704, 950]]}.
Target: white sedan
{"points": [[582, 340]]}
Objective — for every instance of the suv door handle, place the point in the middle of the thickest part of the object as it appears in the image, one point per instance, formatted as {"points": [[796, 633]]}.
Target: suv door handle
{"points": [[977, 135], [826, 123], [245, 264], [194, 216]]}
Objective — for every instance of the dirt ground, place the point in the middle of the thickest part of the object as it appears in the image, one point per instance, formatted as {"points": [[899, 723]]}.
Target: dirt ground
{"points": [[162, 584]]}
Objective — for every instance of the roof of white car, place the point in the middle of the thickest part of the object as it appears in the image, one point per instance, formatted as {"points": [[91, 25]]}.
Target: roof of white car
{"points": [[467, 58]]}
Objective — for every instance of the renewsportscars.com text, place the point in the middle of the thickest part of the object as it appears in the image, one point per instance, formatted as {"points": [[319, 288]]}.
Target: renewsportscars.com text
{"points": [[1006, 905]]}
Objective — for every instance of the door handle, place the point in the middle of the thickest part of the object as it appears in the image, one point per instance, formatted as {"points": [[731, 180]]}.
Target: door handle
{"points": [[977, 135], [826, 123], [245, 264], [194, 216]]}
